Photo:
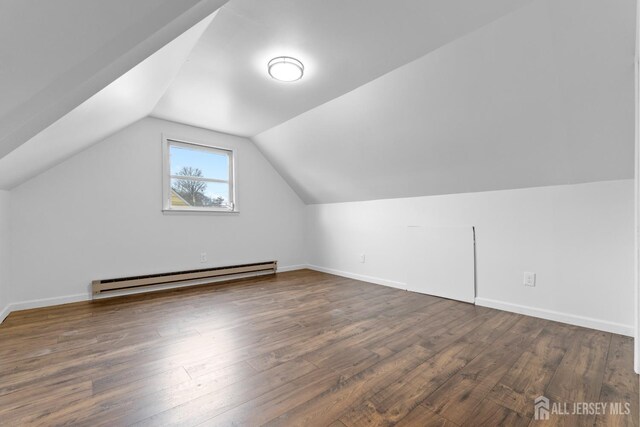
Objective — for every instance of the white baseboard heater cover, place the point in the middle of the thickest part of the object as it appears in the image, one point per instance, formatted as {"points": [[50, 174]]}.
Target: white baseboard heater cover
{"points": [[99, 286]]}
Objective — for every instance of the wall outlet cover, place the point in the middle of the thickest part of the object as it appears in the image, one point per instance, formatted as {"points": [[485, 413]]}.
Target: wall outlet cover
{"points": [[529, 278]]}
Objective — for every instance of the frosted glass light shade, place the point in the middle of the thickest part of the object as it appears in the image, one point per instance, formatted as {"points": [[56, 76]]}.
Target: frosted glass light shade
{"points": [[286, 69]]}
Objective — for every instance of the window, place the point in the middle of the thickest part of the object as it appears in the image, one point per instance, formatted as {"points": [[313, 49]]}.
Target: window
{"points": [[198, 177]]}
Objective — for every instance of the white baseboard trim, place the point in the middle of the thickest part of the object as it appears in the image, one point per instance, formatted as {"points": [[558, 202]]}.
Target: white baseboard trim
{"points": [[361, 277], [4, 313], [47, 302], [39, 303], [587, 322], [571, 319], [292, 268]]}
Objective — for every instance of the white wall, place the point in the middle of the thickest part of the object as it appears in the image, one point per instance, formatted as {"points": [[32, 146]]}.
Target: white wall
{"points": [[4, 252], [577, 238], [98, 215]]}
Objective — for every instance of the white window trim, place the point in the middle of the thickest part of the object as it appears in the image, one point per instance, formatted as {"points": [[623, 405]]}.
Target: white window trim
{"points": [[166, 178]]}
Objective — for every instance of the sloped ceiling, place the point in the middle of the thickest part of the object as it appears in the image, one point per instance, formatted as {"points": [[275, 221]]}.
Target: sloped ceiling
{"points": [[128, 99], [224, 86], [541, 96], [421, 97], [56, 54]]}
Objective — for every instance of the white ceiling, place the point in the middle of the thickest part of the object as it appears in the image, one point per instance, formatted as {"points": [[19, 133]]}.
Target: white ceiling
{"points": [[425, 97], [126, 100], [343, 44], [542, 96], [56, 54]]}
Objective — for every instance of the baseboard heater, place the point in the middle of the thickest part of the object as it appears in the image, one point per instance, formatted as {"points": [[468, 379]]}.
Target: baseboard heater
{"points": [[99, 286]]}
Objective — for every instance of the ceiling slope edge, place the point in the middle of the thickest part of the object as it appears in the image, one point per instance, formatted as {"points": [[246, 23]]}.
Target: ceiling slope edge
{"points": [[260, 140], [126, 100], [470, 33], [462, 118], [225, 86], [99, 70]]}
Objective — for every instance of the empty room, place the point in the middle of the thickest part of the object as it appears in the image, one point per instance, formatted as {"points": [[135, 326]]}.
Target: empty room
{"points": [[319, 213]]}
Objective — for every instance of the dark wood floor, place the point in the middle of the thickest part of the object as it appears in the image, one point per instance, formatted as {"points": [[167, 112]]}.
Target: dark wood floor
{"points": [[301, 348]]}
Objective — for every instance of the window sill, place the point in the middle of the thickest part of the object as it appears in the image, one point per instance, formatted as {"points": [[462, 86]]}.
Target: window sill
{"points": [[198, 212]]}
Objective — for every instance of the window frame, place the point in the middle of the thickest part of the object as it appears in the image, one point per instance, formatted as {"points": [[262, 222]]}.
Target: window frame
{"points": [[167, 142]]}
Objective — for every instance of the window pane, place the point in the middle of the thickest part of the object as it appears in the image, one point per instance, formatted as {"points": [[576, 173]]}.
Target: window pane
{"points": [[186, 192], [196, 162]]}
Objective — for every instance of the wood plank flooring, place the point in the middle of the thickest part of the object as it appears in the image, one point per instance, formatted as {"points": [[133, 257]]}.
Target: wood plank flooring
{"points": [[302, 348]]}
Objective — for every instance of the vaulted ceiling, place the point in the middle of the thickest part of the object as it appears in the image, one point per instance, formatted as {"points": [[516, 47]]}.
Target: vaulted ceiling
{"points": [[343, 44], [57, 54], [129, 98], [542, 96], [417, 97]]}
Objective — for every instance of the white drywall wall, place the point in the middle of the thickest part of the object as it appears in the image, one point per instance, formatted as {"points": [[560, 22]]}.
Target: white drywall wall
{"points": [[440, 261], [98, 215], [578, 239], [4, 253]]}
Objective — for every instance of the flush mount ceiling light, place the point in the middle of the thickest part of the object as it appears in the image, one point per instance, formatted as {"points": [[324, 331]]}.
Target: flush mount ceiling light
{"points": [[286, 69]]}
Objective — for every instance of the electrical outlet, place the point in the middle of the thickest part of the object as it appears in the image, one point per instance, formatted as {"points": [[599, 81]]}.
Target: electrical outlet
{"points": [[203, 257], [529, 279], [362, 258]]}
